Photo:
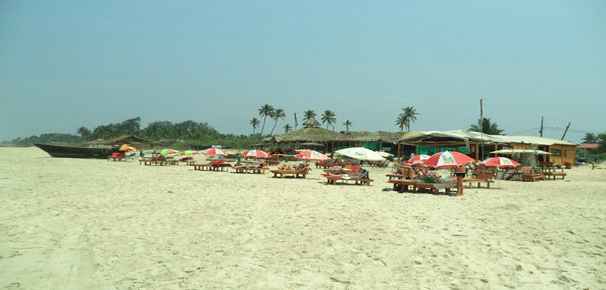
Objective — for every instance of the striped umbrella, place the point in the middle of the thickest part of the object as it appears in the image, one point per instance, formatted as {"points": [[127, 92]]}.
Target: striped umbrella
{"points": [[448, 159], [417, 159], [307, 154], [500, 162], [212, 152], [255, 154]]}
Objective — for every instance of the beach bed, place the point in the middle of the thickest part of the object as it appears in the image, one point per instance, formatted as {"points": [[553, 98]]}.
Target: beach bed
{"points": [[290, 172], [249, 169]]}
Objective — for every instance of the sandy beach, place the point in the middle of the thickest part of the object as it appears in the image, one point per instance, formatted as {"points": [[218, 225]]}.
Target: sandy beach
{"points": [[94, 224]]}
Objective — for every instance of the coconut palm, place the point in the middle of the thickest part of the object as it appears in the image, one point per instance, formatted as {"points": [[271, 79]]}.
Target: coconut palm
{"points": [[265, 111], [84, 132], [588, 138], [254, 122], [276, 116], [406, 118], [309, 119], [329, 118], [287, 128], [488, 127], [347, 124]]}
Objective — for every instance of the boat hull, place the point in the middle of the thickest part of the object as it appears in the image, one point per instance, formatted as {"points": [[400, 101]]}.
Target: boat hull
{"points": [[75, 152]]}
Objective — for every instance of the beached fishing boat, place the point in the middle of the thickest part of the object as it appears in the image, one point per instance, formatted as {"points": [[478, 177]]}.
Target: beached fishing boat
{"points": [[65, 151]]}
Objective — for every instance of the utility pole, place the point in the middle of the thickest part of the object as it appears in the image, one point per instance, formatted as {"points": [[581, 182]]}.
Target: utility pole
{"points": [[481, 114], [541, 130], [296, 123], [565, 131]]}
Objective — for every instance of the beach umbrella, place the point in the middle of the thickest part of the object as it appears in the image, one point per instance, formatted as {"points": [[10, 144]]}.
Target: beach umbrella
{"points": [[360, 153], [212, 152], [448, 159], [167, 152], [255, 154], [417, 159], [310, 155], [500, 162], [127, 148], [385, 154]]}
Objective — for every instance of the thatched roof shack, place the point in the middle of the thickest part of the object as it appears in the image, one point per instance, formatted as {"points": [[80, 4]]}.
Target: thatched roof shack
{"points": [[332, 140], [478, 145]]}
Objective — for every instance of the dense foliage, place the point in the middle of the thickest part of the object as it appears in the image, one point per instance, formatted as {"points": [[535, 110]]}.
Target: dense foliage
{"points": [[488, 127], [45, 138], [182, 134]]}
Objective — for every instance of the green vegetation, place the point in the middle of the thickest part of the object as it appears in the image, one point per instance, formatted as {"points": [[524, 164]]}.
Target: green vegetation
{"points": [[185, 134], [45, 138], [488, 127], [329, 118], [406, 118], [347, 125]]}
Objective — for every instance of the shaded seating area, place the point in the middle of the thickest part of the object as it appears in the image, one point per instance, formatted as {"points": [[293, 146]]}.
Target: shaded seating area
{"points": [[259, 168], [297, 171], [214, 165], [429, 184], [528, 173], [479, 176], [351, 173]]}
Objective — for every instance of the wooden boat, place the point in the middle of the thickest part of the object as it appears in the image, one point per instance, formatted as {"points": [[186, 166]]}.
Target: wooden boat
{"points": [[65, 151]]}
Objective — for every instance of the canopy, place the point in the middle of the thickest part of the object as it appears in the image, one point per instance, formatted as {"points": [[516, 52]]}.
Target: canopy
{"points": [[521, 151], [166, 152], [212, 152], [127, 148], [500, 162], [360, 153], [448, 159], [417, 159], [255, 154], [310, 155], [385, 154]]}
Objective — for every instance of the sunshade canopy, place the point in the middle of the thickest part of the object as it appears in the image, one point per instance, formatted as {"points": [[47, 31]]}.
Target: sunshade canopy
{"points": [[521, 151], [360, 153]]}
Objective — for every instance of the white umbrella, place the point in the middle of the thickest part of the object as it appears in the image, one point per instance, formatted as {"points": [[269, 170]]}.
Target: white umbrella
{"points": [[385, 154], [360, 153], [521, 151]]}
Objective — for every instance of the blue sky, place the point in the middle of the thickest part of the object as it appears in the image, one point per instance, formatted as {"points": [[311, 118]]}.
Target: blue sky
{"points": [[66, 63]]}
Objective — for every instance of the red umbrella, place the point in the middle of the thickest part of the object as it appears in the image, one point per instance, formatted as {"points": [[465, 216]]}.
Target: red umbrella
{"points": [[417, 159], [448, 159], [310, 155], [212, 152], [500, 162], [255, 154]]}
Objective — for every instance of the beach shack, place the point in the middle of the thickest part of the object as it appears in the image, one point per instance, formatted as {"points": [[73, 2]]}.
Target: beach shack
{"points": [[329, 141], [562, 152]]}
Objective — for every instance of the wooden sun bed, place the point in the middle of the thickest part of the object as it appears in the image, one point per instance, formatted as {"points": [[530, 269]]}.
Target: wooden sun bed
{"points": [[412, 185], [250, 169], [294, 172], [212, 167], [347, 178]]}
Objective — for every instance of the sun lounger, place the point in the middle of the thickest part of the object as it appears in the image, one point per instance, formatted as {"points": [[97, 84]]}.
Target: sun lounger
{"points": [[481, 175], [250, 169], [296, 172], [528, 174], [215, 165], [414, 185]]}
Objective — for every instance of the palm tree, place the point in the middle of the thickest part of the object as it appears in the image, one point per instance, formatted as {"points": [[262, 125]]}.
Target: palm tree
{"points": [[254, 122], [328, 118], [84, 132], [265, 111], [276, 116], [488, 127], [309, 119], [590, 138], [347, 124], [406, 118], [287, 128]]}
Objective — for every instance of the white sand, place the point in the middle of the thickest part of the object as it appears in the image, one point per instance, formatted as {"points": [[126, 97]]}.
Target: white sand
{"points": [[94, 224]]}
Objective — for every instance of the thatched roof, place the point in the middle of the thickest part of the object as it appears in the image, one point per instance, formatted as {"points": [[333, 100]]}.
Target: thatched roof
{"points": [[477, 137], [321, 135]]}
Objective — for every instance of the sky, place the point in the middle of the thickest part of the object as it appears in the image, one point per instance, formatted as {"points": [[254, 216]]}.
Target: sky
{"points": [[71, 63]]}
